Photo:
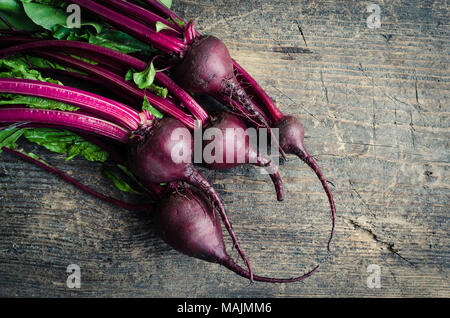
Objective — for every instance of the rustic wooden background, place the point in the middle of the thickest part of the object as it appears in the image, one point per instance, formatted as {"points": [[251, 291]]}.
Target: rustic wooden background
{"points": [[375, 106]]}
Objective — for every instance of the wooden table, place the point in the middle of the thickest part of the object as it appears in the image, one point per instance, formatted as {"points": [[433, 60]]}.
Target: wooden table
{"points": [[375, 106]]}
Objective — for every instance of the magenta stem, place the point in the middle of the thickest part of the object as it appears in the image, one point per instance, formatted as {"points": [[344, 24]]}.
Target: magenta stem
{"points": [[275, 114], [103, 54], [188, 101], [104, 107], [8, 40], [77, 75], [131, 91], [82, 122], [166, 12], [145, 16], [306, 157], [100, 51], [160, 41], [238, 109], [79, 185], [231, 265]]}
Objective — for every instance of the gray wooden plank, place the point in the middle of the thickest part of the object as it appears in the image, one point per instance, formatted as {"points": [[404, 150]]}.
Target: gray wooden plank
{"points": [[374, 103]]}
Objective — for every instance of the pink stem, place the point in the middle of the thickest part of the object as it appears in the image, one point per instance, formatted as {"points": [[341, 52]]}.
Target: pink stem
{"points": [[160, 41], [133, 93], [74, 120], [270, 106], [145, 16], [79, 185], [107, 108]]}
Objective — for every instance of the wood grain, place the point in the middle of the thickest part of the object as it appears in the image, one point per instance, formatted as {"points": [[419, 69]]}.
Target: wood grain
{"points": [[375, 106]]}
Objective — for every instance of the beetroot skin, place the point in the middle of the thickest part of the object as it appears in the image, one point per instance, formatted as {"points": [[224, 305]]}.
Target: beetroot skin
{"points": [[151, 160], [187, 222], [234, 141], [206, 67]]}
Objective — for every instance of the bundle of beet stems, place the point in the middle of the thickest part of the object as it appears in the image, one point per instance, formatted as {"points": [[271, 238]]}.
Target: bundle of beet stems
{"points": [[140, 139]]}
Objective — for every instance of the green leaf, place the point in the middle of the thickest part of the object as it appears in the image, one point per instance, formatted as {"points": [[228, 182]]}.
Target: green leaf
{"points": [[121, 184], [120, 41], [146, 106], [11, 6], [167, 3], [158, 90], [52, 16], [127, 172], [34, 156], [54, 3], [180, 23], [145, 78], [35, 102], [9, 137], [18, 68], [65, 142], [12, 11], [129, 75], [161, 26], [45, 15], [43, 63]]}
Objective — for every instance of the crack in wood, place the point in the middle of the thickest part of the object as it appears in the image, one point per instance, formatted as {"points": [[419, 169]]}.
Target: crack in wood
{"points": [[324, 87], [390, 246], [296, 104], [301, 32]]}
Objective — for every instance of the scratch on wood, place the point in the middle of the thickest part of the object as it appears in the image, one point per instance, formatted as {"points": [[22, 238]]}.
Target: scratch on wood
{"points": [[417, 106], [417, 93], [301, 32], [412, 130], [390, 246], [387, 37], [291, 49], [324, 87], [374, 120], [296, 104], [359, 196]]}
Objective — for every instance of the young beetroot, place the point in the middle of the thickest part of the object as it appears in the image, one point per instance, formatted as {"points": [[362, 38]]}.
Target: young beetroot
{"points": [[292, 142], [155, 145], [188, 224], [207, 68], [232, 147]]}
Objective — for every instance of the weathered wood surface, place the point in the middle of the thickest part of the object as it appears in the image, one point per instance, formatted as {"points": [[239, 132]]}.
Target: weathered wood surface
{"points": [[375, 106]]}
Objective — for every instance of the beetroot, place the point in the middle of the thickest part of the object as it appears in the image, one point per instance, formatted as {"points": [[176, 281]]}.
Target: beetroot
{"points": [[207, 68], [154, 145], [188, 224], [292, 142], [235, 149], [164, 155]]}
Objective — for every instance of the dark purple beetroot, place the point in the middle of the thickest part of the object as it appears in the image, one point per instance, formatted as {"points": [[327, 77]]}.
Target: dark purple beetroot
{"points": [[292, 142], [207, 68], [235, 145], [151, 159], [187, 223]]}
